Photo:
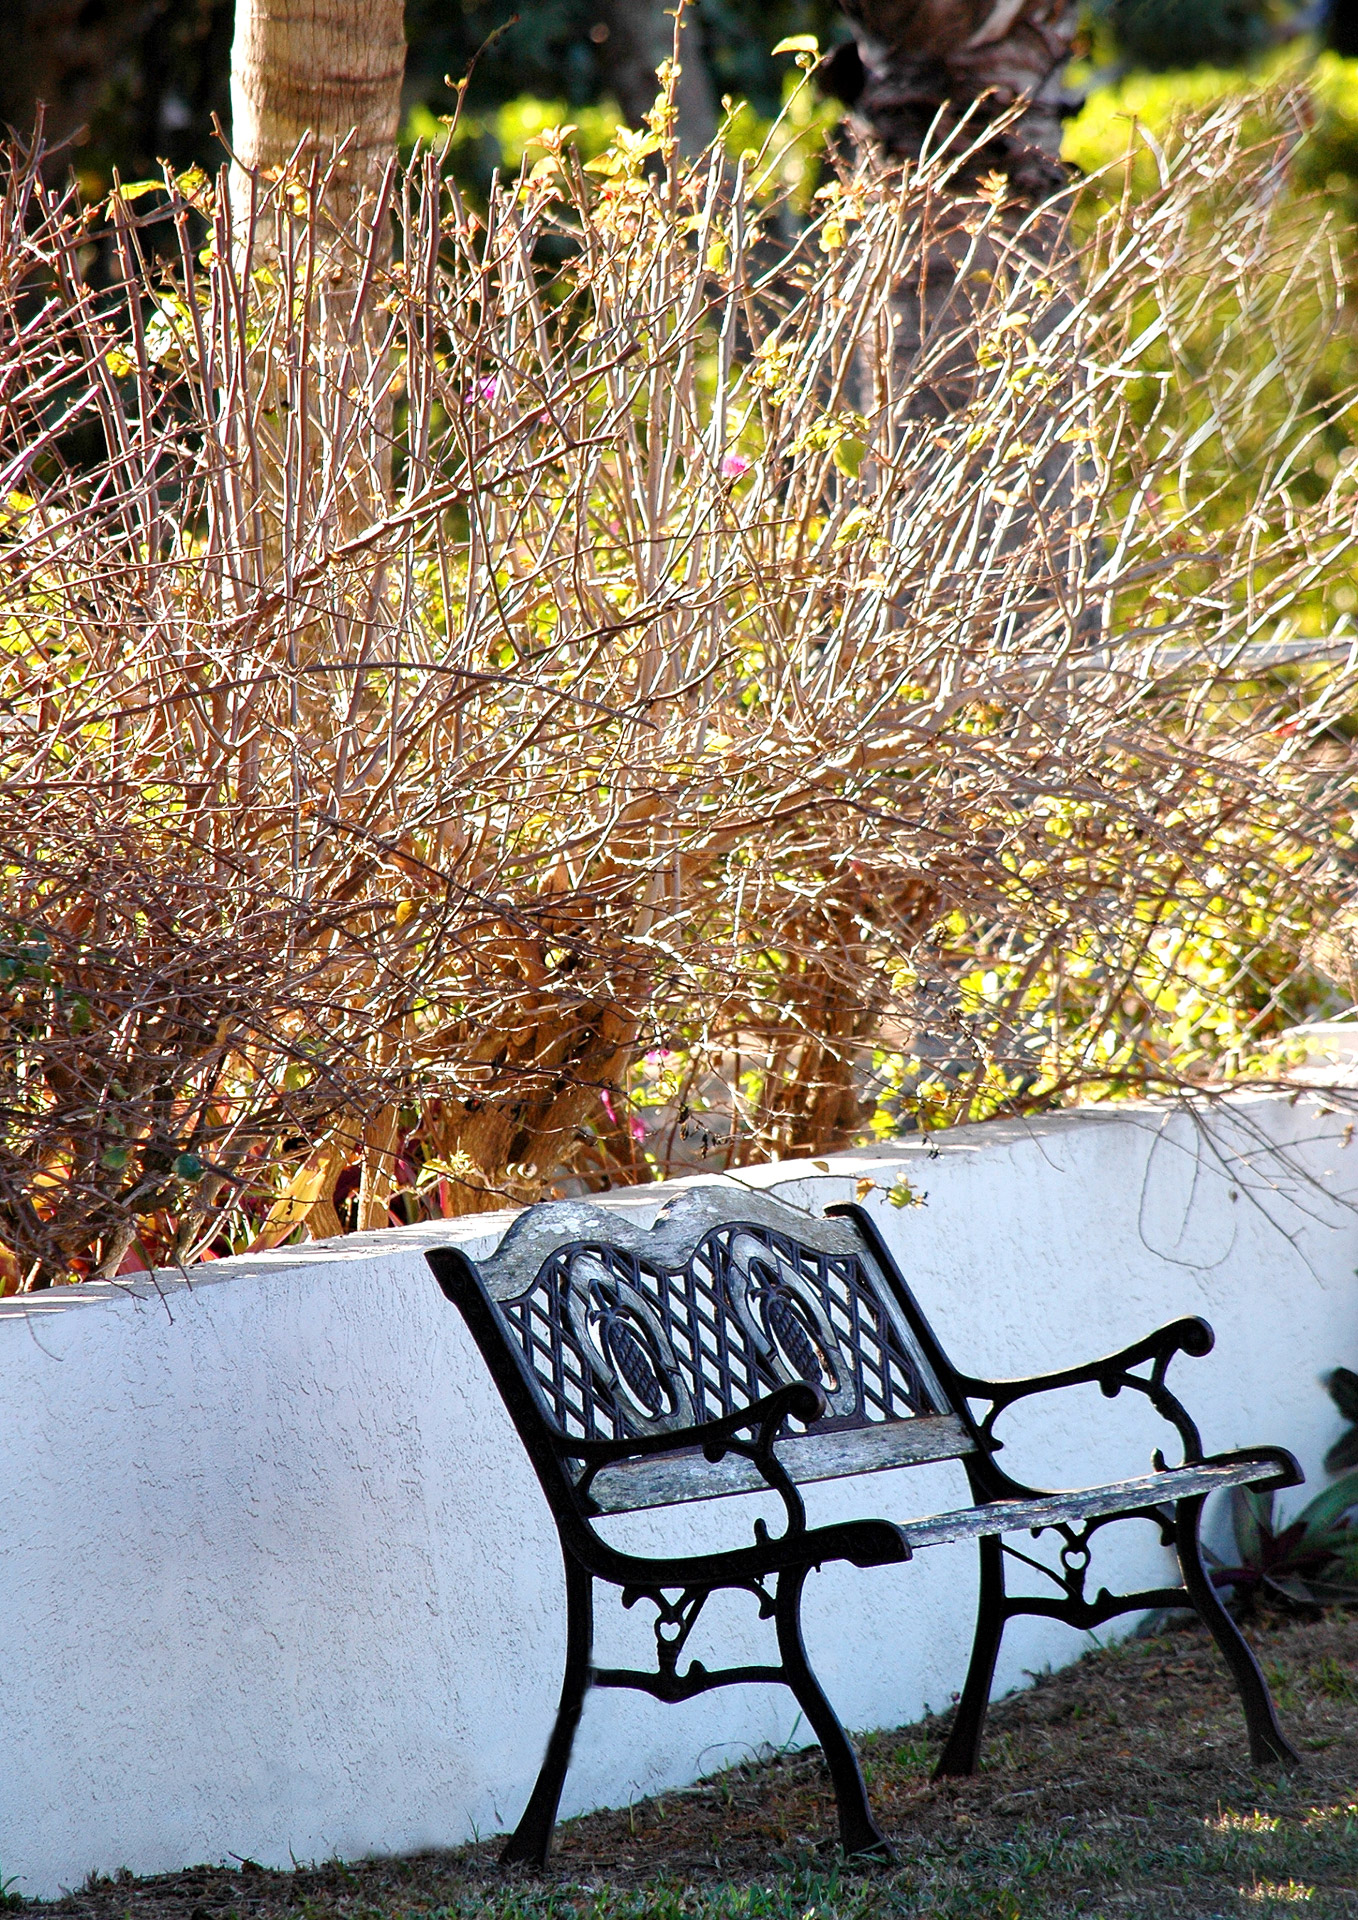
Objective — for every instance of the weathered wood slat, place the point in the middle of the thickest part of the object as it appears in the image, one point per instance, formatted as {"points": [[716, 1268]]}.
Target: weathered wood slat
{"points": [[1154, 1489], [543, 1230], [633, 1484]]}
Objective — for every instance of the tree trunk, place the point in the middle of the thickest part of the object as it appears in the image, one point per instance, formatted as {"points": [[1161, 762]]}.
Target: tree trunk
{"points": [[930, 60], [305, 74], [633, 37], [309, 78]]}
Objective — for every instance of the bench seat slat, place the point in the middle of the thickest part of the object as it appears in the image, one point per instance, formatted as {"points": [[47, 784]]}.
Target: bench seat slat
{"points": [[1013, 1516], [665, 1482]]}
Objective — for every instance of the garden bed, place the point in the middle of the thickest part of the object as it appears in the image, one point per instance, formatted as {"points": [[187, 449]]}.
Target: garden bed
{"points": [[1116, 1787]]}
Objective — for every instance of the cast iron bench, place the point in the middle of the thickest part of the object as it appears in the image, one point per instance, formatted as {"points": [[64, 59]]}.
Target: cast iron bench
{"points": [[741, 1345]]}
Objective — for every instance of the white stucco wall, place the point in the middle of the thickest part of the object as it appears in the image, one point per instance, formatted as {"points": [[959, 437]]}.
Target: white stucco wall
{"points": [[277, 1581]]}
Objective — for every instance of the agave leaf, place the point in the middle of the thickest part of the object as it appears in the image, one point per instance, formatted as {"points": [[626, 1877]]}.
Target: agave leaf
{"points": [[1292, 1586], [1342, 1387], [1332, 1546], [1321, 1513], [1331, 1592], [1344, 1452], [1250, 1511], [1290, 1541], [1346, 1550]]}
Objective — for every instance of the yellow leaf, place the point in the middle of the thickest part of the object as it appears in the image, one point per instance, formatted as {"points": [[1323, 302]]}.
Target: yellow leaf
{"points": [[118, 363], [852, 527], [552, 137], [196, 188], [848, 456], [863, 1186], [136, 188], [799, 43]]}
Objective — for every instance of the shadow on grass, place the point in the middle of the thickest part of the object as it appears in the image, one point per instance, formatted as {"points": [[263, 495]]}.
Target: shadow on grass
{"points": [[1119, 1787]]}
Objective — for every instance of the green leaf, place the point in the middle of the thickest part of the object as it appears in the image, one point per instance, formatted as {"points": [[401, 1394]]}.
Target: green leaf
{"points": [[1290, 1584], [1321, 1513], [1342, 1387], [1250, 1511], [848, 456], [1346, 1553], [115, 1158], [188, 1166], [1344, 1452], [799, 43]]}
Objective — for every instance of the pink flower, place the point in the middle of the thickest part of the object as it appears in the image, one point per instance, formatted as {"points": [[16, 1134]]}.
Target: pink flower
{"points": [[607, 1106], [637, 1128], [735, 466], [486, 389]]}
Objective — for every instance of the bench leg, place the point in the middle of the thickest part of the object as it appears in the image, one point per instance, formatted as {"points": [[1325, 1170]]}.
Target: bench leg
{"points": [[859, 1833], [963, 1749], [1268, 1742], [531, 1840]]}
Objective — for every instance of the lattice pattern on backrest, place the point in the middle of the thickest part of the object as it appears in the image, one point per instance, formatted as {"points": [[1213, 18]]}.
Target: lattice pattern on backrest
{"points": [[621, 1344]]}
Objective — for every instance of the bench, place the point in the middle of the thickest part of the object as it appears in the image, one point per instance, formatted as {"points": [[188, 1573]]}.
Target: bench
{"points": [[741, 1345]]}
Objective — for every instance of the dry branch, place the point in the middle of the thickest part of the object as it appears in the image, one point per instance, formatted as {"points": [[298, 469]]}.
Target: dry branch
{"points": [[725, 676]]}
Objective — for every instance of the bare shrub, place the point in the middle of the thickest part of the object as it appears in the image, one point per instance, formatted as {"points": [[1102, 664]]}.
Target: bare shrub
{"points": [[726, 692]]}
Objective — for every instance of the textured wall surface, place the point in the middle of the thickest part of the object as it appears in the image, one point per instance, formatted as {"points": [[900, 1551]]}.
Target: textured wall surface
{"points": [[277, 1581]]}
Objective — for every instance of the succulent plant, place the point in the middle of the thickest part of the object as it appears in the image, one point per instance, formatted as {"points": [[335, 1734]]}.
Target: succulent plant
{"points": [[1342, 1387], [1311, 1559]]}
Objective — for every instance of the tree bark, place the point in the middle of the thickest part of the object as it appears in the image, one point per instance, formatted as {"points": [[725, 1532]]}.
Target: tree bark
{"points": [[305, 74], [928, 61], [308, 78]]}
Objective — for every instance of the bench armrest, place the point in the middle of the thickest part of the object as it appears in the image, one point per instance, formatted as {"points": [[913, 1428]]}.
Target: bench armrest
{"points": [[798, 1400], [1111, 1374]]}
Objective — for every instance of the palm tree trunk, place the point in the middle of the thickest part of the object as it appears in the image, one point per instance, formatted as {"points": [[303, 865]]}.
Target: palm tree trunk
{"points": [[305, 74], [316, 90], [926, 62]]}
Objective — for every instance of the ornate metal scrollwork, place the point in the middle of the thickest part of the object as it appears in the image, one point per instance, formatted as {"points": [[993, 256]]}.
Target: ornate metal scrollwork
{"points": [[620, 1347], [1075, 1554], [787, 1323], [629, 1353], [1112, 1376], [674, 1622]]}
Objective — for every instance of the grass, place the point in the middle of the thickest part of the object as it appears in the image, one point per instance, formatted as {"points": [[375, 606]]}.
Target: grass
{"points": [[1119, 1787]]}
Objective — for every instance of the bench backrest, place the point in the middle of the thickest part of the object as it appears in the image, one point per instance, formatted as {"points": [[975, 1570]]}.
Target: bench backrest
{"points": [[620, 1330]]}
